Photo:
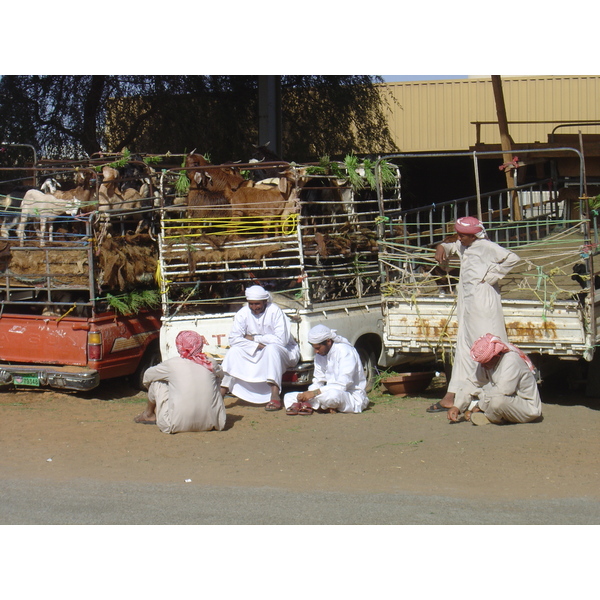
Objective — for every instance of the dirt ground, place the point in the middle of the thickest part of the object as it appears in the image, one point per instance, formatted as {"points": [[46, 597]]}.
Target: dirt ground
{"points": [[394, 446]]}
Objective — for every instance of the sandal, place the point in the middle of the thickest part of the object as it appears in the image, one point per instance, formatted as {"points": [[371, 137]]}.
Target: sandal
{"points": [[305, 409], [274, 405], [437, 407], [293, 409]]}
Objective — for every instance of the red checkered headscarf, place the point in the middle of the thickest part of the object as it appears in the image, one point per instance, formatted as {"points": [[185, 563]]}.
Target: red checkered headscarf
{"points": [[488, 346], [469, 225], [189, 345]]}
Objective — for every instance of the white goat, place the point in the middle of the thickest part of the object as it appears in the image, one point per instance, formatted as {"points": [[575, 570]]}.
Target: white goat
{"points": [[45, 207]]}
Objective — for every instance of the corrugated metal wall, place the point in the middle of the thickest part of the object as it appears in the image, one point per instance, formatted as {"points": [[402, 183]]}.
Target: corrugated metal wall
{"points": [[437, 115]]}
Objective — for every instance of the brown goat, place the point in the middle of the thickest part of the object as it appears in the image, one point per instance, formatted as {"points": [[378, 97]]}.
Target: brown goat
{"points": [[205, 204], [211, 178], [82, 191], [271, 204]]}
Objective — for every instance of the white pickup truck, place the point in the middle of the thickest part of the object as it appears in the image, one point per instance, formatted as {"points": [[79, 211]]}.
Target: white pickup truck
{"points": [[320, 265], [550, 308]]}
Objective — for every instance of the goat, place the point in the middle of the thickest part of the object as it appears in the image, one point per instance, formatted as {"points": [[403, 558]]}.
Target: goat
{"points": [[46, 208], [11, 207], [108, 195], [124, 197], [262, 154], [133, 174], [204, 204], [13, 202], [211, 177], [139, 201], [270, 204], [82, 190]]}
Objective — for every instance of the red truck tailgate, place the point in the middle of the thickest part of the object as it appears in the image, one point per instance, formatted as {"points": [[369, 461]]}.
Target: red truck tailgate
{"points": [[42, 339]]}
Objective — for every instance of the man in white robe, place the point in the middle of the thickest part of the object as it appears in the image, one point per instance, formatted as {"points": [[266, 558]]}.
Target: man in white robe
{"points": [[504, 385], [261, 350], [479, 305], [183, 391], [339, 381]]}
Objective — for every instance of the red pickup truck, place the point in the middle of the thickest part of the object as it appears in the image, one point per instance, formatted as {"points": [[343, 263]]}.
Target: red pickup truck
{"points": [[57, 327], [77, 352]]}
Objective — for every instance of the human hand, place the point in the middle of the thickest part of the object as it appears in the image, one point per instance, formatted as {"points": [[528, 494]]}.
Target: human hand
{"points": [[453, 414], [440, 254]]}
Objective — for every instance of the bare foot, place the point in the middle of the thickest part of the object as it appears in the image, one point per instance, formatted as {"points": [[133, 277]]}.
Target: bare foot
{"points": [[145, 419], [448, 400]]}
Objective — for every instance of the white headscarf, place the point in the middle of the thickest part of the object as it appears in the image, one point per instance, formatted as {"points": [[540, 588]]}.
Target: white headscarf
{"points": [[256, 292], [319, 333]]}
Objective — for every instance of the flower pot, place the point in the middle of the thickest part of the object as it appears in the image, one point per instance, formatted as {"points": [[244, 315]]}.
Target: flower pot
{"points": [[405, 384]]}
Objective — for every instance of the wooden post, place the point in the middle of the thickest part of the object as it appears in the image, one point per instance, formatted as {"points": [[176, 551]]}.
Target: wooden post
{"points": [[505, 141]]}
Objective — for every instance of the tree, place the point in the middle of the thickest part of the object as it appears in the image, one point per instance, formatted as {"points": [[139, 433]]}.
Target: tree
{"points": [[70, 116]]}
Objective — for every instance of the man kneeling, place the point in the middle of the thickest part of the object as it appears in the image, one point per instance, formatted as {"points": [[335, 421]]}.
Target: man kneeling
{"points": [[339, 380], [183, 391], [504, 385]]}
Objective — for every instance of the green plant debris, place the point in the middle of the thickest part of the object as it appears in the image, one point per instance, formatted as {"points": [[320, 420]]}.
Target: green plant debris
{"points": [[133, 302], [412, 443]]}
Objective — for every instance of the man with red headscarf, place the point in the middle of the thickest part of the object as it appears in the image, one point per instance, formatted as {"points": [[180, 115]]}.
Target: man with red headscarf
{"points": [[504, 385], [183, 391], [478, 307]]}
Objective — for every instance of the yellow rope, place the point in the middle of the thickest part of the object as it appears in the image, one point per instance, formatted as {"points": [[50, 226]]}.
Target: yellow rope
{"points": [[287, 225], [63, 316]]}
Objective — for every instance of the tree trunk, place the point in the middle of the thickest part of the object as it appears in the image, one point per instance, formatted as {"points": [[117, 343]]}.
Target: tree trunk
{"points": [[91, 108]]}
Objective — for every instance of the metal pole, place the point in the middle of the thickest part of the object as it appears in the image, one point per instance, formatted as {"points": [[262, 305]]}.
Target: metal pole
{"points": [[34, 157], [476, 166]]}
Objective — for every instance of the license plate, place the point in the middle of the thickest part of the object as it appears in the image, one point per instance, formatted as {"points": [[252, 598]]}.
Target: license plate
{"points": [[32, 380]]}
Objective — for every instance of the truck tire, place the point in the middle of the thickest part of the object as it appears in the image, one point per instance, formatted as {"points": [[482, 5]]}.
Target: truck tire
{"points": [[369, 362], [151, 358]]}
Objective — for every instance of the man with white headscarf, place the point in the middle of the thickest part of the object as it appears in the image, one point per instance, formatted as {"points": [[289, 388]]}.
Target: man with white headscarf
{"points": [[261, 350], [339, 381], [504, 385], [183, 391], [479, 305]]}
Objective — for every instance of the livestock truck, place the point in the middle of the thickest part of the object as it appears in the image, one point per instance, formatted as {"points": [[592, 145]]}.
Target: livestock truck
{"points": [[549, 299], [78, 309], [318, 260]]}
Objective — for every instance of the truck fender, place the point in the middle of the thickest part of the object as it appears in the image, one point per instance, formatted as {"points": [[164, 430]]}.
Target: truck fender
{"points": [[150, 358]]}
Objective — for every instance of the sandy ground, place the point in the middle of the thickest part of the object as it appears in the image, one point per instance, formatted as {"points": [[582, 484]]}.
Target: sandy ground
{"points": [[394, 446]]}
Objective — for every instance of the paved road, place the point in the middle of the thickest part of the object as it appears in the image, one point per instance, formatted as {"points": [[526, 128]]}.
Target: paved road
{"points": [[87, 502]]}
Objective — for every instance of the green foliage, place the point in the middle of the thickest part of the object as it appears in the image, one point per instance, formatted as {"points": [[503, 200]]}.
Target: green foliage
{"points": [[355, 179], [351, 169], [133, 302], [123, 161], [388, 175], [595, 202], [182, 185]]}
